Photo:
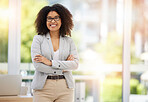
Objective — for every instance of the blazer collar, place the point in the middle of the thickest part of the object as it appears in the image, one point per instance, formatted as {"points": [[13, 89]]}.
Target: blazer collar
{"points": [[47, 35]]}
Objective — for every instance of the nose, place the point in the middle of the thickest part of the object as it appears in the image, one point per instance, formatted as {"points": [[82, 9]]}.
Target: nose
{"points": [[52, 20]]}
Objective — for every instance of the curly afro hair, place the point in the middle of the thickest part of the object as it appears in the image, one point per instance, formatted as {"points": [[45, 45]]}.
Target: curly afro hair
{"points": [[65, 15]]}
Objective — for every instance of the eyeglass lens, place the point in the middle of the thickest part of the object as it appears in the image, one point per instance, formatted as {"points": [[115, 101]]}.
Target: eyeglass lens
{"points": [[56, 18]]}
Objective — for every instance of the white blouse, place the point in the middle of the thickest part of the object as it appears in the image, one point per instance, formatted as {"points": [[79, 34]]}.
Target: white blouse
{"points": [[56, 55]]}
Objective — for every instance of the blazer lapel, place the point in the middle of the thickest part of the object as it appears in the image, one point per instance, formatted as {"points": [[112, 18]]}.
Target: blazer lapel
{"points": [[61, 46], [50, 44]]}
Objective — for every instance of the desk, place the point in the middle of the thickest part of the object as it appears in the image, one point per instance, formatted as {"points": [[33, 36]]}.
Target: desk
{"points": [[16, 99]]}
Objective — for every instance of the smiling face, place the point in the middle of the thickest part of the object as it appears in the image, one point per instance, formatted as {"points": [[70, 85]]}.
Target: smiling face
{"points": [[53, 21]]}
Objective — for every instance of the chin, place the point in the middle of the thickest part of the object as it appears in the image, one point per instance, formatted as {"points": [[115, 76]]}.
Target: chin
{"points": [[53, 30]]}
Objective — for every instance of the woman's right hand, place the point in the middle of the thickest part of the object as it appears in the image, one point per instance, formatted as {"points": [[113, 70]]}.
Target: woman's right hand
{"points": [[70, 58]]}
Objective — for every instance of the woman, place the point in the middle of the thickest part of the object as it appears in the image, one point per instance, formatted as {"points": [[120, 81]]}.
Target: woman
{"points": [[54, 55]]}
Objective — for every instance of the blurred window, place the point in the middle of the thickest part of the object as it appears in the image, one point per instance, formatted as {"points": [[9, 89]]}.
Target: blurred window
{"points": [[4, 18]]}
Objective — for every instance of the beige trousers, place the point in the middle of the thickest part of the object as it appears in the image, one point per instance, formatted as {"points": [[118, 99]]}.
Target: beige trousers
{"points": [[54, 91]]}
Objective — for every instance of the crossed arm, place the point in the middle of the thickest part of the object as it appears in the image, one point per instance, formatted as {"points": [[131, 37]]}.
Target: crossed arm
{"points": [[45, 65], [42, 59]]}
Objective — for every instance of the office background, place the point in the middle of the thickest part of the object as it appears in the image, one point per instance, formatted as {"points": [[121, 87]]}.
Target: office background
{"points": [[113, 32]]}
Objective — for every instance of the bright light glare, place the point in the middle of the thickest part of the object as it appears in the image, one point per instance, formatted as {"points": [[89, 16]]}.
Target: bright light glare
{"points": [[144, 56], [4, 14]]}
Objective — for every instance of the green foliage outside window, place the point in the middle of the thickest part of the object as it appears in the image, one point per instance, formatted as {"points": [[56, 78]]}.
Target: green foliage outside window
{"points": [[4, 5], [29, 12], [112, 89]]}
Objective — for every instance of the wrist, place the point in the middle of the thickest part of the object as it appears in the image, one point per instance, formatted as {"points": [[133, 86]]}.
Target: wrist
{"points": [[50, 62]]}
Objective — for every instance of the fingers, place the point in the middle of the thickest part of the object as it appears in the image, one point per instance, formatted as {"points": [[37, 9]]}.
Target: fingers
{"points": [[38, 55], [70, 58], [38, 58]]}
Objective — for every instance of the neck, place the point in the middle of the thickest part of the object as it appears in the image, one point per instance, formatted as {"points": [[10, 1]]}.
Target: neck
{"points": [[54, 34]]}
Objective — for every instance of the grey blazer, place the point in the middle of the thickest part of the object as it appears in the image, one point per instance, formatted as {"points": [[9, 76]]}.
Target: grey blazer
{"points": [[42, 45]]}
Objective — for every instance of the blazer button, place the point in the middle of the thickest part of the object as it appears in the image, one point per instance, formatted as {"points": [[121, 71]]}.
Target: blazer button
{"points": [[59, 65]]}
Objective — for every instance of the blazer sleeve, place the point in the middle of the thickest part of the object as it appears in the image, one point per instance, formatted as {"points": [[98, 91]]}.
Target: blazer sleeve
{"points": [[68, 65], [36, 50]]}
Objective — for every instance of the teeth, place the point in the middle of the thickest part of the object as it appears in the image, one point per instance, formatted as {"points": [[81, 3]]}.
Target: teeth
{"points": [[53, 25]]}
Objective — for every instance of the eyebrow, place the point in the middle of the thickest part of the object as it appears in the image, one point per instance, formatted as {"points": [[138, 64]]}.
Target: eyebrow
{"points": [[53, 17]]}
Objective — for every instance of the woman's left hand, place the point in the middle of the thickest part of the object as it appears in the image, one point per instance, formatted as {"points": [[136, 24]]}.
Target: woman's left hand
{"points": [[40, 58]]}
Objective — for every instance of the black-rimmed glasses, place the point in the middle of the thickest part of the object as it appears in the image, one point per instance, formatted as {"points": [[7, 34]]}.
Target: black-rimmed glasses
{"points": [[56, 18]]}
